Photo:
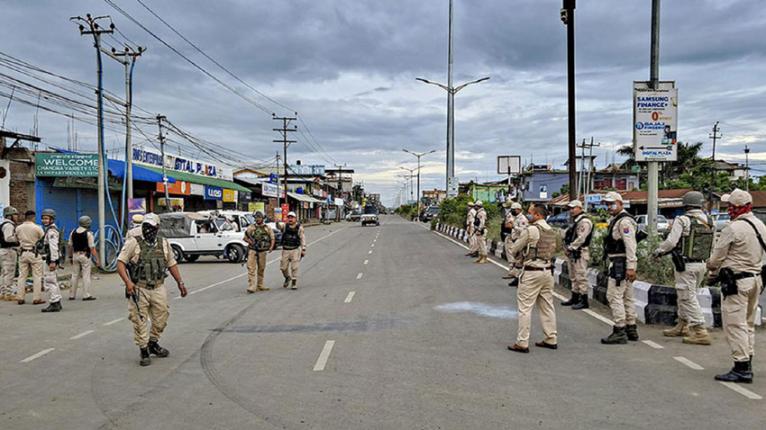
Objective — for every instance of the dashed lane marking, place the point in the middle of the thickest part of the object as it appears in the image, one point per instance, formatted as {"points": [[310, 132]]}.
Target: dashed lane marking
{"points": [[372, 246], [36, 356], [688, 363], [359, 276], [113, 321], [366, 261], [349, 297], [599, 317], [324, 356], [370, 252], [653, 344], [83, 334], [744, 391]]}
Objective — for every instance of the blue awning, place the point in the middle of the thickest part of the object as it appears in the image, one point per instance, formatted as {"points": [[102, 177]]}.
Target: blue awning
{"points": [[117, 169]]}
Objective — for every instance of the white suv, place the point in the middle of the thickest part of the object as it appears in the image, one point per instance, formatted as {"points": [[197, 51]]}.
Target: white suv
{"points": [[192, 234]]}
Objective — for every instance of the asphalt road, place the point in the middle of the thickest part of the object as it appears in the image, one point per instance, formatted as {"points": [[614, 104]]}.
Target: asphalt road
{"points": [[392, 328]]}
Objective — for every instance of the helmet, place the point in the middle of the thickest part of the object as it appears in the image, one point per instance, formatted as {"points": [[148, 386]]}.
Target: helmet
{"points": [[259, 214], [516, 205], [9, 211], [137, 219], [479, 203], [151, 219], [49, 213], [85, 221], [693, 199]]}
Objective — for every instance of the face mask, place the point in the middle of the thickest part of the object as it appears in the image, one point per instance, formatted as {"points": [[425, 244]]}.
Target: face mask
{"points": [[529, 217], [150, 233]]}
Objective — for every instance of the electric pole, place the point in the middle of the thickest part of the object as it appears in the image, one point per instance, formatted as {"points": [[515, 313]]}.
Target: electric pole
{"points": [[285, 142], [586, 174], [715, 135], [90, 26], [747, 169], [568, 18], [654, 80], [161, 118], [279, 193]]}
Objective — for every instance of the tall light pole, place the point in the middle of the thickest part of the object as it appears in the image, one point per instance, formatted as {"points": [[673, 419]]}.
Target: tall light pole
{"points": [[412, 175], [418, 155], [567, 17]]}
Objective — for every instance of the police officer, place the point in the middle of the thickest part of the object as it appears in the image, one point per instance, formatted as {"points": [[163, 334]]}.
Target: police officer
{"points": [[293, 250], [480, 224], [149, 257], [82, 248], [577, 248], [8, 253], [260, 240], [536, 246], [620, 248], [30, 261], [473, 249], [736, 259], [520, 223], [690, 240], [135, 231], [52, 255]]}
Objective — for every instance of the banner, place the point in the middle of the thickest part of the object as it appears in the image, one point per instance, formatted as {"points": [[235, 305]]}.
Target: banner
{"points": [[66, 165], [177, 187], [213, 193], [229, 196], [254, 207], [655, 122], [269, 190]]}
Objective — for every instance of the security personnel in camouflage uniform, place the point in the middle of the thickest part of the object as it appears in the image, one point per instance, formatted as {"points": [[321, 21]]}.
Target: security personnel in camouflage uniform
{"points": [[480, 224], [577, 243], [83, 248], [690, 240], [620, 248], [736, 260], [51, 252], [8, 253], [30, 260], [293, 250], [518, 223], [260, 240], [473, 248], [536, 246], [149, 257]]}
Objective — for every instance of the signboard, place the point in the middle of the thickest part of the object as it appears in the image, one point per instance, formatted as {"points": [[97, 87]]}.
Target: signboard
{"points": [[453, 187], [254, 207], [284, 212], [182, 164], [306, 170], [136, 207], [213, 193], [177, 187], [269, 190], [655, 122], [177, 205], [229, 196], [508, 164], [66, 165]]}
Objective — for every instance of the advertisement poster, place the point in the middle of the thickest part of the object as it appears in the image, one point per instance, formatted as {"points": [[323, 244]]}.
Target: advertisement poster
{"points": [[655, 122]]}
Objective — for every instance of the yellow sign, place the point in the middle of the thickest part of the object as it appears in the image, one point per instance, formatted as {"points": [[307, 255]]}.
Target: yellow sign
{"points": [[229, 196], [254, 207]]}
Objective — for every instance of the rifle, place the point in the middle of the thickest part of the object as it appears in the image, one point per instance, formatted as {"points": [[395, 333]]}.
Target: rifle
{"points": [[134, 298]]}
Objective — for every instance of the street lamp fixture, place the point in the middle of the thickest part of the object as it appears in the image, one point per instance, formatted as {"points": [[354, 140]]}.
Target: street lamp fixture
{"points": [[418, 155]]}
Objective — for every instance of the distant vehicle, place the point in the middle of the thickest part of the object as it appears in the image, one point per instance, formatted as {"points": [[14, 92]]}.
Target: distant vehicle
{"points": [[242, 219], [663, 225], [430, 213], [721, 220], [370, 216], [192, 234], [354, 216], [559, 220]]}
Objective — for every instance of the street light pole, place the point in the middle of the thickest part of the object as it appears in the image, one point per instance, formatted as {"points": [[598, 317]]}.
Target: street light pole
{"points": [[419, 155], [412, 175], [654, 79], [567, 17]]}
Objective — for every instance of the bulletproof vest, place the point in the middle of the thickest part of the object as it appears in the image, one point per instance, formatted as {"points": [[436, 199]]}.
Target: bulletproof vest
{"points": [[261, 238], [80, 241], [476, 221], [151, 266], [612, 245], [546, 246], [699, 243], [503, 228], [291, 238], [3, 243], [571, 233]]}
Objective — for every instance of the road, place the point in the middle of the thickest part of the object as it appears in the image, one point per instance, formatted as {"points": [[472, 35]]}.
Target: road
{"points": [[392, 328]]}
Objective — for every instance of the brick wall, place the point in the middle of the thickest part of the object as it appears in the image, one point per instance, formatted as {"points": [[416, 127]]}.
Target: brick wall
{"points": [[22, 186]]}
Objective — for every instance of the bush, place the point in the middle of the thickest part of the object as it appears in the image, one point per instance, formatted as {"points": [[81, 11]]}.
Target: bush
{"points": [[657, 271]]}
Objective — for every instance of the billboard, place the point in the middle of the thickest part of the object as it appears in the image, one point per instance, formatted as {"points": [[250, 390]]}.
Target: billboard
{"points": [[655, 121], [66, 165], [508, 164]]}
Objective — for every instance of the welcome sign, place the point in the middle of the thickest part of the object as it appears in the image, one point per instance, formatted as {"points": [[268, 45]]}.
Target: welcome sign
{"points": [[54, 164]]}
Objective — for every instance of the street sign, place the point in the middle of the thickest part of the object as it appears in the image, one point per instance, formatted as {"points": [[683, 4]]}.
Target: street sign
{"points": [[655, 121], [66, 165], [508, 164], [453, 187]]}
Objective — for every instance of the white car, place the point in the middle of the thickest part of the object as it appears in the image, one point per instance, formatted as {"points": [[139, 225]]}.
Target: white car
{"points": [[663, 225], [242, 219], [370, 219], [192, 234]]}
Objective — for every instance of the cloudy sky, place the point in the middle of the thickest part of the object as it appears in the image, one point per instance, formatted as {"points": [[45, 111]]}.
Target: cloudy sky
{"points": [[349, 67]]}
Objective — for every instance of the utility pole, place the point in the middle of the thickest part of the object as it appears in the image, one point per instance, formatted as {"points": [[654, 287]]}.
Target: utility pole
{"points": [[90, 26], [419, 155], [585, 175], [715, 135], [161, 137], [747, 169], [568, 18], [654, 79], [285, 142], [279, 193], [411, 176]]}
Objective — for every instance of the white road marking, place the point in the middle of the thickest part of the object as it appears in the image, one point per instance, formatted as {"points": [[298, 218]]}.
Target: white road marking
{"points": [[36, 356], [359, 276], [688, 363], [349, 297], [83, 334], [599, 317], [370, 252], [113, 321], [372, 246], [366, 261], [744, 391], [324, 355], [654, 345]]}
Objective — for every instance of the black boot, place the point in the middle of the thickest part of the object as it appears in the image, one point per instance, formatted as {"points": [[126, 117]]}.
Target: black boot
{"points": [[618, 337], [632, 332], [156, 349], [740, 373], [575, 299], [582, 304], [53, 307], [514, 282], [145, 359]]}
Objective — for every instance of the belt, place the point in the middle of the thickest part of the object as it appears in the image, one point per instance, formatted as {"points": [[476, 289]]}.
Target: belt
{"points": [[536, 269], [745, 275]]}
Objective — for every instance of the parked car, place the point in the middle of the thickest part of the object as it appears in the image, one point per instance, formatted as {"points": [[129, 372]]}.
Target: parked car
{"points": [[242, 219], [192, 234], [663, 225], [559, 220], [354, 216], [430, 213], [721, 220]]}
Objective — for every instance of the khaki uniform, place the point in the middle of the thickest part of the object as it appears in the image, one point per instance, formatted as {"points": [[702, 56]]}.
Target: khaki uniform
{"points": [[134, 232], [578, 269], [469, 228], [481, 215], [256, 260], [153, 303], [81, 266], [738, 249], [520, 223], [535, 287], [620, 295], [50, 279], [291, 258], [688, 281], [28, 234], [8, 261]]}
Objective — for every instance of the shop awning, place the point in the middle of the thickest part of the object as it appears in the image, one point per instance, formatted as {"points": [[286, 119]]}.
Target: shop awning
{"points": [[304, 198], [199, 179], [117, 169]]}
